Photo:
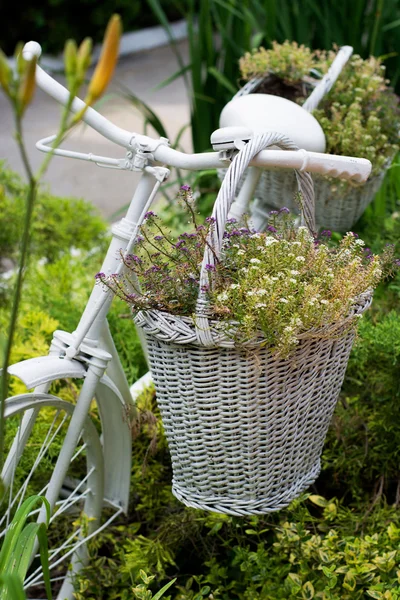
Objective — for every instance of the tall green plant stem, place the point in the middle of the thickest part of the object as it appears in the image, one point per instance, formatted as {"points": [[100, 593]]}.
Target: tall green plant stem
{"points": [[33, 183]]}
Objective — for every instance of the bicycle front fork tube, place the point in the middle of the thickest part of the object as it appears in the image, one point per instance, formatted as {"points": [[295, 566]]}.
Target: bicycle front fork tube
{"points": [[122, 233]]}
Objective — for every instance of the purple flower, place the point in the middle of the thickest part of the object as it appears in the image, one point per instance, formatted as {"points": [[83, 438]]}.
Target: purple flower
{"points": [[326, 233], [179, 244], [158, 237], [149, 214], [271, 229], [273, 212], [211, 220], [185, 188], [139, 239], [232, 220], [210, 267], [397, 262], [205, 288], [353, 234], [100, 275], [284, 210], [132, 258]]}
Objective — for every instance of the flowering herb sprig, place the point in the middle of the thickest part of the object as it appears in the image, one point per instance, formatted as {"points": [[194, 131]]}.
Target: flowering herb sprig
{"points": [[282, 282]]}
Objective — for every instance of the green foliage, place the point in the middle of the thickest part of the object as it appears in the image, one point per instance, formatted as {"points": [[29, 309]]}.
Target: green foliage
{"points": [[289, 61], [17, 547], [59, 224]]}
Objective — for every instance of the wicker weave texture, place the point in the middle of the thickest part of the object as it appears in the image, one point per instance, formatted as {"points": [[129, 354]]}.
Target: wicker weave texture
{"points": [[245, 428], [337, 206]]}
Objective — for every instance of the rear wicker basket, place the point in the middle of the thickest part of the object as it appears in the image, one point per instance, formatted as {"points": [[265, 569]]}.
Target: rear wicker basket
{"points": [[244, 426], [339, 206]]}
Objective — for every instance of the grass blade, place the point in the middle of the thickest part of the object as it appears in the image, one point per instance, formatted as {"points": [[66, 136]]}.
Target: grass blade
{"points": [[11, 588]]}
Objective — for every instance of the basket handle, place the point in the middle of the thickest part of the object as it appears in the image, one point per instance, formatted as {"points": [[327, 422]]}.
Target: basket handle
{"points": [[226, 196], [328, 79]]}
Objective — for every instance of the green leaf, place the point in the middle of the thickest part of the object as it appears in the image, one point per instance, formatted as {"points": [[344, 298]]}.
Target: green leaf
{"points": [[318, 500], [16, 527], [350, 581], [164, 589], [205, 590], [294, 578], [308, 591], [251, 532], [11, 587], [375, 594], [145, 110], [220, 77]]}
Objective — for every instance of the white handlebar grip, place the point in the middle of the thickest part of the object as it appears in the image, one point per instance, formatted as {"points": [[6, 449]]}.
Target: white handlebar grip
{"points": [[31, 49], [343, 167]]}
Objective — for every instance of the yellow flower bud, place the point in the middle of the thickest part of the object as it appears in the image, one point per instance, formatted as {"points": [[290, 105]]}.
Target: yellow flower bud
{"points": [[21, 63], [5, 73], [108, 59], [84, 58], [27, 85], [70, 62]]}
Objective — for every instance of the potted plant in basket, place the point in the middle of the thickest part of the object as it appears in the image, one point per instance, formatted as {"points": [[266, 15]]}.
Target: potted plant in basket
{"points": [[359, 116], [248, 336]]}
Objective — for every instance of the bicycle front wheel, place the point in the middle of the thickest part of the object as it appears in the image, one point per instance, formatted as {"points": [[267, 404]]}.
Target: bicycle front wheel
{"points": [[35, 429]]}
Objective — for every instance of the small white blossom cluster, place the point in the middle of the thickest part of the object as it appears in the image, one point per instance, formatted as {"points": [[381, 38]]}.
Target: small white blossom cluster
{"points": [[287, 283]]}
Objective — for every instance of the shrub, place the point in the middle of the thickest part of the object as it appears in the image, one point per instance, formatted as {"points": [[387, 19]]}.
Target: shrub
{"points": [[59, 224]]}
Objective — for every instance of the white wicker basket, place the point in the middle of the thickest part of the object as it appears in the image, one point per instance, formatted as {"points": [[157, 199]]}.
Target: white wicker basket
{"points": [[337, 207], [245, 428]]}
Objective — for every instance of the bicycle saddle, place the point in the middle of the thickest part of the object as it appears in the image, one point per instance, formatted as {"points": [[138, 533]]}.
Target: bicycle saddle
{"points": [[263, 112]]}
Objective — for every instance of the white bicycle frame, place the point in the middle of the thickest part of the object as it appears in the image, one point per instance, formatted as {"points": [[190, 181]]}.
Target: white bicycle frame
{"points": [[89, 352]]}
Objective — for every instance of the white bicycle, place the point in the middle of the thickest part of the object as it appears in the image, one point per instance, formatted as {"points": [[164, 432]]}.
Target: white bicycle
{"points": [[71, 442]]}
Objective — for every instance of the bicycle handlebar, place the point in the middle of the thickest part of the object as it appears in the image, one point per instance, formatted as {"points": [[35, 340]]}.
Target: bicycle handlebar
{"points": [[356, 169]]}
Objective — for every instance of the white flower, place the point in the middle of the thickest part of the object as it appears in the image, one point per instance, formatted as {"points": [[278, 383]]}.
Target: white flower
{"points": [[255, 260], [251, 293], [254, 267], [300, 258], [222, 297], [330, 275], [234, 286], [323, 301], [296, 243], [295, 272], [360, 243], [270, 240], [288, 329], [241, 252], [274, 278], [261, 305], [262, 292], [293, 280], [283, 300]]}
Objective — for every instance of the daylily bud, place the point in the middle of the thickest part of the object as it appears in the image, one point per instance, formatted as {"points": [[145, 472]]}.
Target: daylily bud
{"points": [[70, 61], [84, 58], [5, 73], [21, 63], [108, 59], [27, 85]]}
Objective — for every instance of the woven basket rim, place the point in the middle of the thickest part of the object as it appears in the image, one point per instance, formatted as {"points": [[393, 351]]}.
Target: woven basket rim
{"points": [[182, 329]]}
